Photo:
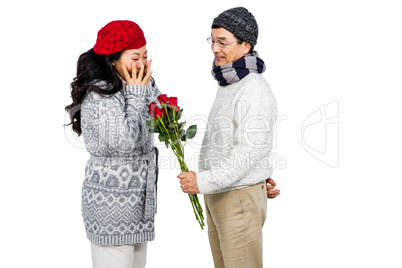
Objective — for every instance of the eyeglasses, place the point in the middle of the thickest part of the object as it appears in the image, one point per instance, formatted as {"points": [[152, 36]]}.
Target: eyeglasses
{"points": [[219, 43]]}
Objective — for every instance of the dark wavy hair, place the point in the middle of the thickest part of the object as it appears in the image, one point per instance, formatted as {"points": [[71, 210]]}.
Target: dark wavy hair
{"points": [[91, 69]]}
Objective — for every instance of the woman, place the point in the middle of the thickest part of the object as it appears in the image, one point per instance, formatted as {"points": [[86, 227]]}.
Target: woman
{"points": [[110, 95]]}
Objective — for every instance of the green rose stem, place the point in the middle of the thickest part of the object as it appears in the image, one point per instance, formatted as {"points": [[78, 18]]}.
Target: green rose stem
{"points": [[194, 199], [195, 203], [173, 138]]}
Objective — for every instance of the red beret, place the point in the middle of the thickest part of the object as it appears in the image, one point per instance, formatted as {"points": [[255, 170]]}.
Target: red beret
{"points": [[119, 35]]}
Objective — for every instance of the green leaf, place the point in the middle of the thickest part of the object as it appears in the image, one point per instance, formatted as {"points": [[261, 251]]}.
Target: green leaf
{"points": [[176, 143], [167, 143], [183, 138], [182, 133], [162, 138], [165, 121], [172, 125], [154, 130], [153, 123], [191, 131], [178, 114], [170, 114], [181, 125]]}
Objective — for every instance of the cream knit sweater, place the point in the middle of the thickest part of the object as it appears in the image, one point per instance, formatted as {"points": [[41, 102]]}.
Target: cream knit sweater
{"points": [[238, 140]]}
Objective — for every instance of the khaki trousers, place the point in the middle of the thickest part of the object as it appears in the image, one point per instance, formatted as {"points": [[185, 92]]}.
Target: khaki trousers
{"points": [[124, 256], [235, 220]]}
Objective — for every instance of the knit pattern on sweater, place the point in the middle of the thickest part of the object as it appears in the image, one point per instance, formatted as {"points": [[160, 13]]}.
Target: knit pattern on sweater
{"points": [[119, 190], [238, 140]]}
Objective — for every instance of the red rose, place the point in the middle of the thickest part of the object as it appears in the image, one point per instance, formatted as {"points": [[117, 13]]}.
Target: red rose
{"points": [[163, 112], [162, 98], [177, 109], [154, 111], [152, 106], [173, 102]]}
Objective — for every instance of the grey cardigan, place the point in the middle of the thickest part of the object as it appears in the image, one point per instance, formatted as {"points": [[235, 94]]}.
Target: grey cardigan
{"points": [[119, 190]]}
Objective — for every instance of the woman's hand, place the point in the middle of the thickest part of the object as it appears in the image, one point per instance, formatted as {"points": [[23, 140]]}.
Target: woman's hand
{"points": [[137, 75]]}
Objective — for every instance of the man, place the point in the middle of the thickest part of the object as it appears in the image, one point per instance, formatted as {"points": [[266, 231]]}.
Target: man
{"points": [[234, 161]]}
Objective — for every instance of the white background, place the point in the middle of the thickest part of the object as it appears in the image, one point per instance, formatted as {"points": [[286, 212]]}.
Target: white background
{"points": [[345, 53]]}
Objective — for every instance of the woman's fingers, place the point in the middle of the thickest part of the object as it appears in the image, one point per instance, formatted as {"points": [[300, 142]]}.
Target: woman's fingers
{"points": [[141, 73], [126, 74], [148, 67], [134, 71], [148, 72], [147, 78], [139, 76]]}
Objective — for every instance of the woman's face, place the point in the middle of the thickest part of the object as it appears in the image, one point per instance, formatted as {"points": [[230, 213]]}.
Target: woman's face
{"points": [[132, 58]]}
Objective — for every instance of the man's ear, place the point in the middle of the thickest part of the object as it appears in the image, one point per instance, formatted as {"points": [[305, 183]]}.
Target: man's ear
{"points": [[247, 47]]}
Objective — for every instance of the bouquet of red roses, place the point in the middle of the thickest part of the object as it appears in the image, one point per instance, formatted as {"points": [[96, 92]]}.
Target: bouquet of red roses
{"points": [[166, 122]]}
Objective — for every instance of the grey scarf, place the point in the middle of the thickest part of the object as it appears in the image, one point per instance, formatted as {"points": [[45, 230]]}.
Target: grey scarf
{"points": [[237, 70]]}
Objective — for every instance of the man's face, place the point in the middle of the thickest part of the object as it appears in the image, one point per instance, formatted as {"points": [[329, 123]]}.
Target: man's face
{"points": [[231, 52]]}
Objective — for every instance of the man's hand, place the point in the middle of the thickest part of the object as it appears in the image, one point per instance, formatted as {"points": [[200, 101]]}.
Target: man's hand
{"points": [[188, 182], [271, 193]]}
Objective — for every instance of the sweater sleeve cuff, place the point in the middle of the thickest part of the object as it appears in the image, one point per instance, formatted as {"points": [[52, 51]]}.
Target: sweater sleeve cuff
{"points": [[202, 182], [141, 90]]}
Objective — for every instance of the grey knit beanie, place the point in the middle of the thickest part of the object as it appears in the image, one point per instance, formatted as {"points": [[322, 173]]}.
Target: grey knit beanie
{"points": [[240, 22]]}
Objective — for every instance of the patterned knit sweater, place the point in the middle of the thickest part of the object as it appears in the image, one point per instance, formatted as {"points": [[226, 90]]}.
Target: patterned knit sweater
{"points": [[118, 194], [238, 139]]}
